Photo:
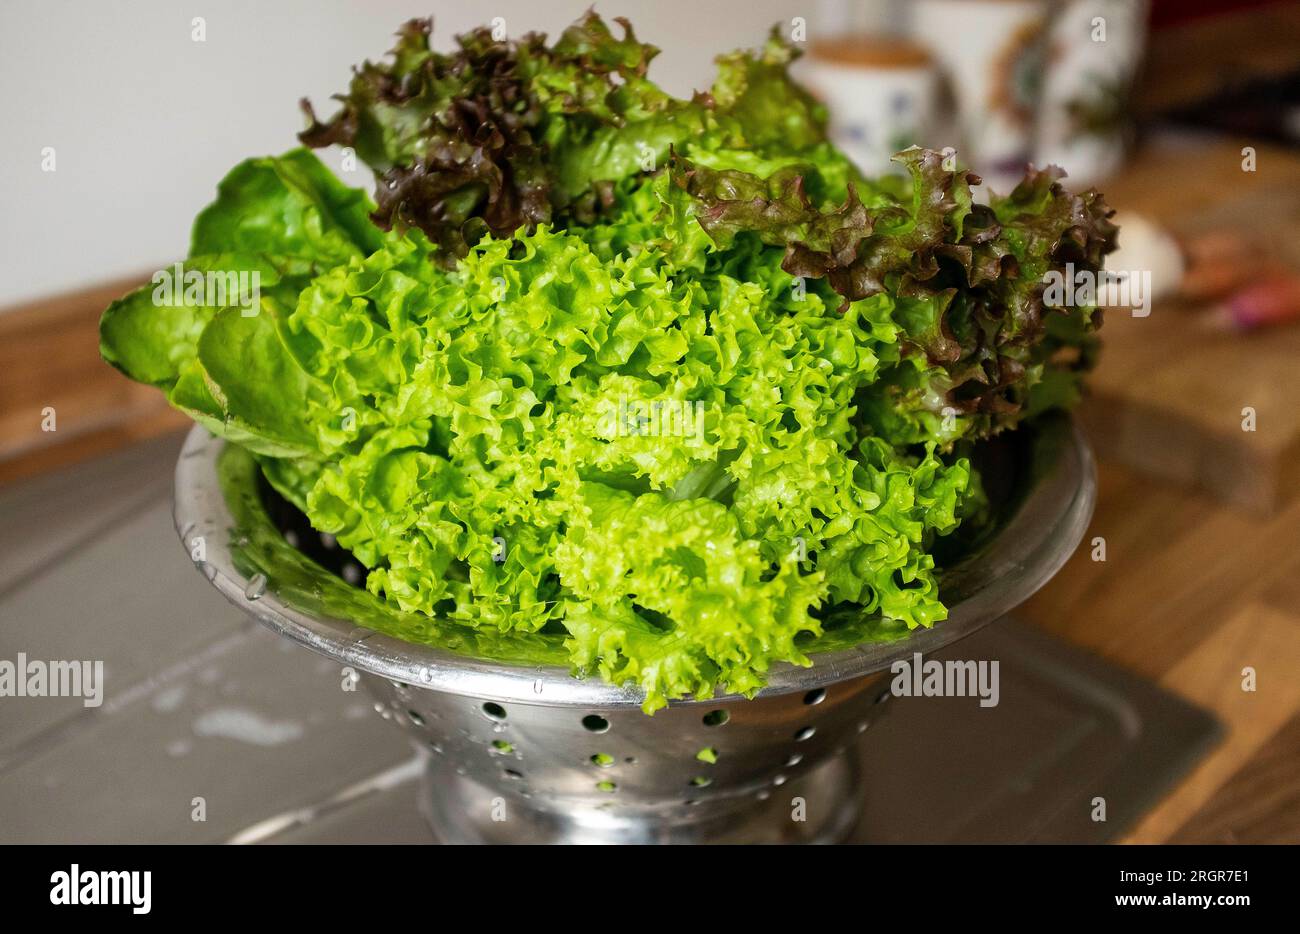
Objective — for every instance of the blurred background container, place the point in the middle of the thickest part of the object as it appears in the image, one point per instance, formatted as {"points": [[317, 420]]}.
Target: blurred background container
{"points": [[882, 92]]}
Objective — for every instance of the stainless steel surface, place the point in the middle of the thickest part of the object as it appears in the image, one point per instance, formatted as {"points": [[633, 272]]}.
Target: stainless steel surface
{"points": [[453, 805], [572, 759], [1069, 728], [199, 701], [611, 772]]}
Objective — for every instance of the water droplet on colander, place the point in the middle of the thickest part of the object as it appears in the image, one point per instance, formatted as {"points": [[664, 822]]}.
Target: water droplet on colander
{"points": [[426, 675], [256, 587], [537, 686]]}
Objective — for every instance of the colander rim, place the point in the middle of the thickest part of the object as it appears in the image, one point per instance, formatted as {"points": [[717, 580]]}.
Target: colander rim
{"points": [[1029, 549]]}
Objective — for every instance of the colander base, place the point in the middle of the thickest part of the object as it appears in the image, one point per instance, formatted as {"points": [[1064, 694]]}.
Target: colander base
{"points": [[817, 807]]}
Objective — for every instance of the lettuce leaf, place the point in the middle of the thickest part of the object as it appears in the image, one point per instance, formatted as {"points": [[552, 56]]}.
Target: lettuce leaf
{"points": [[291, 207], [500, 134], [281, 219], [666, 380], [967, 279]]}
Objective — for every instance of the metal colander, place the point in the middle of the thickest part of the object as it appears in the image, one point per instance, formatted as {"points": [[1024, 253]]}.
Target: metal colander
{"points": [[518, 751]]}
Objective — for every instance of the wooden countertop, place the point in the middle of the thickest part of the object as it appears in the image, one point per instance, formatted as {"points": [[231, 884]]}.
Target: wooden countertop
{"points": [[1191, 593], [1194, 591]]}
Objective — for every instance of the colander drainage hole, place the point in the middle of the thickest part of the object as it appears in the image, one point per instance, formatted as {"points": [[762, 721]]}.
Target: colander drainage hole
{"points": [[513, 774], [415, 717], [502, 747], [708, 754], [716, 718], [793, 760], [807, 732], [606, 786], [494, 711], [815, 696], [602, 759], [594, 723], [700, 781]]}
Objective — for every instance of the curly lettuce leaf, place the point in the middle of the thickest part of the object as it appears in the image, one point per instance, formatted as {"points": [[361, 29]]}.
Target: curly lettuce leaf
{"points": [[967, 280], [485, 468], [500, 134]]}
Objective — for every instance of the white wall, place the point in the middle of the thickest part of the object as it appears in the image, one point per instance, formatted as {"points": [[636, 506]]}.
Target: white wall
{"points": [[144, 121]]}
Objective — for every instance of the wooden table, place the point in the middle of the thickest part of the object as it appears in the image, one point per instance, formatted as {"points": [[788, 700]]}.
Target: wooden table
{"points": [[1194, 591], [1191, 593]]}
